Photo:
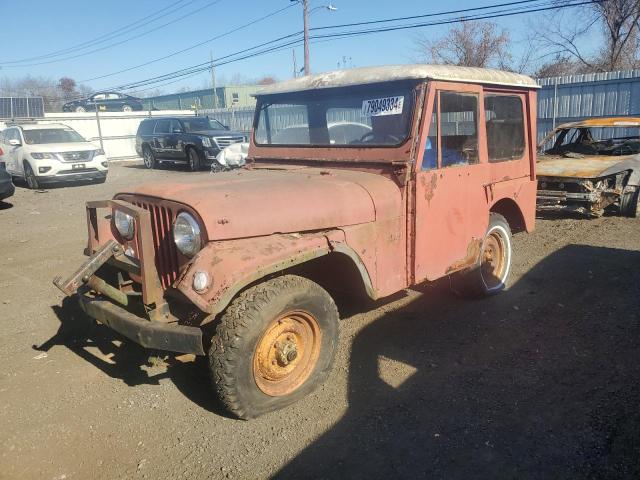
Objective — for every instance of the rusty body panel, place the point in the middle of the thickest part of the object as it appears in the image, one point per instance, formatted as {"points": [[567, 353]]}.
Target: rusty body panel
{"points": [[370, 210], [594, 166], [589, 182]]}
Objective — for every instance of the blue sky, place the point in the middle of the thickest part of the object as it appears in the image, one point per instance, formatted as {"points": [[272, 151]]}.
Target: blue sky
{"points": [[40, 27]]}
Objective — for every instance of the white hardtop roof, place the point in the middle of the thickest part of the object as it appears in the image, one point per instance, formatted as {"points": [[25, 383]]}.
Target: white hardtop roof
{"points": [[41, 126], [367, 75]]}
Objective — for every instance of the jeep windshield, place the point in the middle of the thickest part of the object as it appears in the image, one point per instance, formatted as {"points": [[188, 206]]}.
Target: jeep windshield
{"points": [[363, 115], [579, 142]]}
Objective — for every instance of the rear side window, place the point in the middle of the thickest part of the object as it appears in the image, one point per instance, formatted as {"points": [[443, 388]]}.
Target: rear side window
{"points": [[505, 127], [163, 126], [146, 127]]}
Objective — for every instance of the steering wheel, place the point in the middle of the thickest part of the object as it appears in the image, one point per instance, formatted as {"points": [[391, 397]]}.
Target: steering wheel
{"points": [[393, 138]]}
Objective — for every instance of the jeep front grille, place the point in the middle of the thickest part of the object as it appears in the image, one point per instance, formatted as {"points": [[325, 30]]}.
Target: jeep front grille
{"points": [[223, 142], [163, 244]]}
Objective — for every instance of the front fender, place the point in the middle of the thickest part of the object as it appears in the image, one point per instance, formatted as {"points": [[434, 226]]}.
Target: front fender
{"points": [[232, 265]]}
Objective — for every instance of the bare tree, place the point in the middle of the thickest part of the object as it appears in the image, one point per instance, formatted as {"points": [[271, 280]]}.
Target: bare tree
{"points": [[54, 93], [565, 32], [471, 44], [266, 80]]}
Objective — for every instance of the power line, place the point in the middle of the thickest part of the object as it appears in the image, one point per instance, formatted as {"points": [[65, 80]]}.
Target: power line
{"points": [[210, 4], [289, 40], [490, 15], [228, 32], [107, 36]]}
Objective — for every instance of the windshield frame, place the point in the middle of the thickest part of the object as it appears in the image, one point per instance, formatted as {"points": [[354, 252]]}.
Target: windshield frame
{"points": [[578, 132], [412, 89]]}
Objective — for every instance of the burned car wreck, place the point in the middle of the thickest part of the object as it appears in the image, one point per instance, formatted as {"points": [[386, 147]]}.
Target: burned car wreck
{"points": [[591, 166]]}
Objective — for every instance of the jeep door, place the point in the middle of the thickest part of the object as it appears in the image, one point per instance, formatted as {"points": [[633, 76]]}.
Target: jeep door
{"points": [[451, 208]]}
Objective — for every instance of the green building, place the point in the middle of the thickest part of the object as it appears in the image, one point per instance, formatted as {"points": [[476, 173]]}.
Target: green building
{"points": [[230, 96]]}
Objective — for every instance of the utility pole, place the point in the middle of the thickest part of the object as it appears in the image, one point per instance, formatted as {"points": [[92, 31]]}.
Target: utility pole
{"points": [[295, 63], [305, 16], [213, 81]]}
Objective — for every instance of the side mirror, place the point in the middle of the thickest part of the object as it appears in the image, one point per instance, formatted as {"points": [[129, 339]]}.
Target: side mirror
{"points": [[14, 142], [226, 127]]}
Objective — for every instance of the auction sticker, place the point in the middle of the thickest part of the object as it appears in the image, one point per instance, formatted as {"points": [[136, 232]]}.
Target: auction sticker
{"points": [[377, 107]]}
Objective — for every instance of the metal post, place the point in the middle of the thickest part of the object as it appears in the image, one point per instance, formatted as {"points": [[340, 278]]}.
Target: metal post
{"points": [[179, 102], [214, 100], [555, 103], [295, 63], [305, 17], [95, 104]]}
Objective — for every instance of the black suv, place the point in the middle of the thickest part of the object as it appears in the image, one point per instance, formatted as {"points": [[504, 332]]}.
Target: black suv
{"points": [[192, 140], [106, 102]]}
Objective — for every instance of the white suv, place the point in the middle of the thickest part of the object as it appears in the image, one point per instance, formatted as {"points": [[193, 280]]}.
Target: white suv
{"points": [[44, 154]]}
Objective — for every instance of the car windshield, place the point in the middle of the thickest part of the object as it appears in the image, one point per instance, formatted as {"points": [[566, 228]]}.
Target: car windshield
{"points": [[371, 115], [52, 135], [577, 142], [201, 124]]}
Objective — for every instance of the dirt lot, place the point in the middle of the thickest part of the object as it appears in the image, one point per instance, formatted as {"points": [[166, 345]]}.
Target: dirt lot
{"points": [[542, 381]]}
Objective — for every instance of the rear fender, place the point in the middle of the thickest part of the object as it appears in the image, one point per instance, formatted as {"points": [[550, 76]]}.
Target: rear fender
{"points": [[233, 265]]}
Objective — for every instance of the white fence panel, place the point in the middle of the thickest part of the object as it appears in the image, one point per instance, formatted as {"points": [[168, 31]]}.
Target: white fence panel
{"points": [[118, 128]]}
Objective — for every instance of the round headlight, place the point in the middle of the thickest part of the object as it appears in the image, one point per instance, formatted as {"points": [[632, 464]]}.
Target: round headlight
{"points": [[124, 224], [186, 234]]}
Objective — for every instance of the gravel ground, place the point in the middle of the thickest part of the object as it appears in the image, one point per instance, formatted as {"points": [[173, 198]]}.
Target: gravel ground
{"points": [[542, 381]]}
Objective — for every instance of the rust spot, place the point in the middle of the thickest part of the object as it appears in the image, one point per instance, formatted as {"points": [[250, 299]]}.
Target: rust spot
{"points": [[473, 253], [325, 172], [223, 221], [429, 187]]}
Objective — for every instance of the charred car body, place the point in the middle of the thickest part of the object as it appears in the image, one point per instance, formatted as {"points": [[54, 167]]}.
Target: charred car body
{"points": [[591, 166], [433, 187]]}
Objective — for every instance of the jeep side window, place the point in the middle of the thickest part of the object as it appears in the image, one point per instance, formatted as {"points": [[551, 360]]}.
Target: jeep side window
{"points": [[505, 127], [430, 155], [459, 128]]}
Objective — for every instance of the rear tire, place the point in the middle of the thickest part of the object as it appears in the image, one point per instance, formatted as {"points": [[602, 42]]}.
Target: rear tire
{"points": [[630, 204], [275, 344], [194, 159], [30, 177], [148, 157], [490, 274], [81, 109], [127, 108]]}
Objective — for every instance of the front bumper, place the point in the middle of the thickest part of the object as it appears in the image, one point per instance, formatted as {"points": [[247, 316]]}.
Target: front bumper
{"points": [[73, 177], [149, 334], [103, 301], [7, 189]]}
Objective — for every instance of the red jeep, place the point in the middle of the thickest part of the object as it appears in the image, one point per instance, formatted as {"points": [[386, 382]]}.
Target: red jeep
{"points": [[365, 181]]}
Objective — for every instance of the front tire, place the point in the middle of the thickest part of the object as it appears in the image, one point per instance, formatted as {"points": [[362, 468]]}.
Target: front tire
{"points": [[275, 344], [490, 274], [81, 109], [127, 108], [30, 177], [630, 204]]}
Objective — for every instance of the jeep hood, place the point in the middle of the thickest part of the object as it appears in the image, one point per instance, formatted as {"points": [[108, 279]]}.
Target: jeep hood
{"points": [[250, 203], [591, 166]]}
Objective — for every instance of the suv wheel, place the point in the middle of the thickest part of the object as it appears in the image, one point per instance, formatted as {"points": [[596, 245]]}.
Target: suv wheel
{"points": [[127, 108], [80, 109], [275, 343], [148, 157], [30, 177], [194, 160], [630, 203], [489, 276]]}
